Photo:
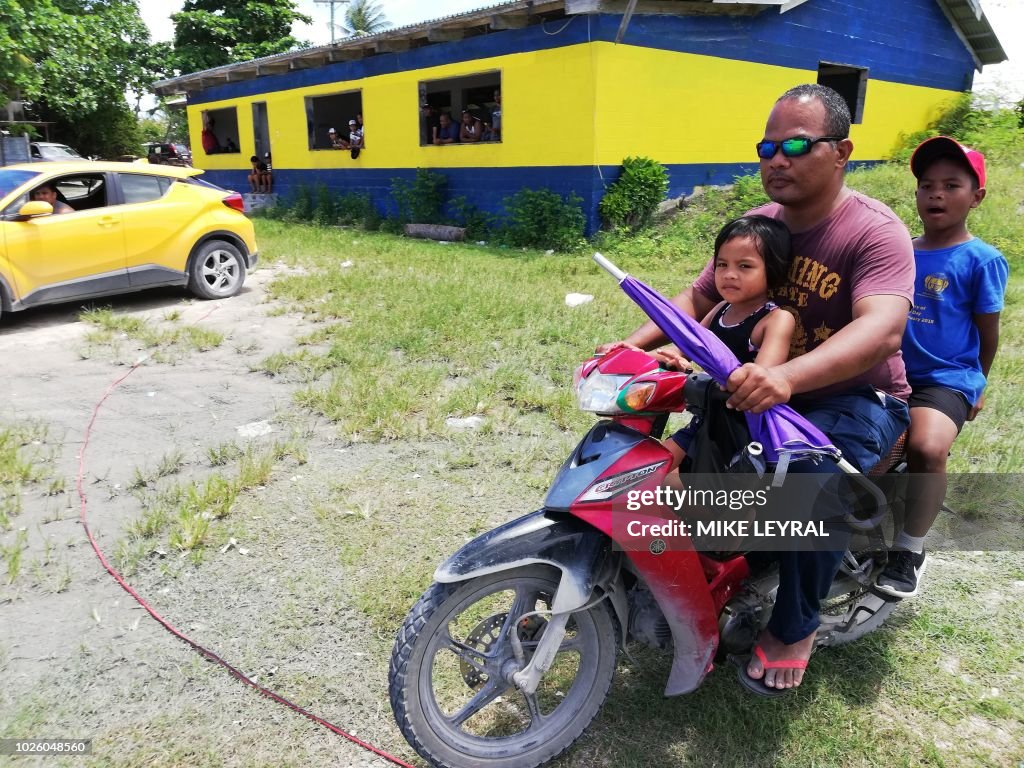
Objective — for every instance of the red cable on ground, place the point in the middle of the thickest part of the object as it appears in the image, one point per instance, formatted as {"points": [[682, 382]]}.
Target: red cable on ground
{"points": [[205, 653]]}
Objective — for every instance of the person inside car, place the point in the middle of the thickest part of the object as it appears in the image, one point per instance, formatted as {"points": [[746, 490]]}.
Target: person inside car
{"points": [[47, 193]]}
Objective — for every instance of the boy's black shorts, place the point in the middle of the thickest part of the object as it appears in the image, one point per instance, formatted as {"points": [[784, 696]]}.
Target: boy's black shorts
{"points": [[944, 400]]}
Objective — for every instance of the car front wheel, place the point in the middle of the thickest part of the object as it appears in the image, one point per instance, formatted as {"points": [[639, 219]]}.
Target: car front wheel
{"points": [[217, 271]]}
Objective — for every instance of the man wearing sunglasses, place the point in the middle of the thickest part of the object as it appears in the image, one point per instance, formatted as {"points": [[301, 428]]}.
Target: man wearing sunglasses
{"points": [[850, 288]]}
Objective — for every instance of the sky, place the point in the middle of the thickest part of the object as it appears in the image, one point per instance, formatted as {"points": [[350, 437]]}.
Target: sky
{"points": [[156, 14], [1004, 80]]}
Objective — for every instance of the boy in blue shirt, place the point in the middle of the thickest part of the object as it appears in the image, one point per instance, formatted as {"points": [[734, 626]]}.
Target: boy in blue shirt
{"points": [[951, 337]]}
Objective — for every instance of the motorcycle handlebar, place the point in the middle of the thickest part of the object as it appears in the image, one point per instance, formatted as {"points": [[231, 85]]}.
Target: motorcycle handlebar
{"points": [[700, 389]]}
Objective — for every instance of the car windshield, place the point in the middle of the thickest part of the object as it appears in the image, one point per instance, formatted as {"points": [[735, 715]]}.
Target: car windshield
{"points": [[182, 149], [58, 152], [11, 180]]}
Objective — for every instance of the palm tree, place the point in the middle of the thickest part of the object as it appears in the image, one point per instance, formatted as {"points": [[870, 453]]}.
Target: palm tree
{"points": [[364, 17]]}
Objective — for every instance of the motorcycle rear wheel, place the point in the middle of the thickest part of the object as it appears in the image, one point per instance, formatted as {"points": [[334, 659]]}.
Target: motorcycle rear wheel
{"points": [[452, 661], [852, 609]]}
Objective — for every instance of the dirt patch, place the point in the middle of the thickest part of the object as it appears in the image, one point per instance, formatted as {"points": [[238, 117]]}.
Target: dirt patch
{"points": [[78, 657]]}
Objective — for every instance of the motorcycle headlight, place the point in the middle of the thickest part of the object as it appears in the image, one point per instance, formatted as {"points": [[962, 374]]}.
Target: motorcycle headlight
{"points": [[597, 393]]}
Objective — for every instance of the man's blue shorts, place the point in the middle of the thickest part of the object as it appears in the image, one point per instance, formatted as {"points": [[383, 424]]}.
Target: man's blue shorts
{"points": [[863, 423]]}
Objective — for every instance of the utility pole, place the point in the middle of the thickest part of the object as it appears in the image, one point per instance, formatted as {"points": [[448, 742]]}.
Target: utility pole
{"points": [[332, 3]]}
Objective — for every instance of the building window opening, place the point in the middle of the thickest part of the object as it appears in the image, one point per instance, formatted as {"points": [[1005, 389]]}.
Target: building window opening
{"points": [[220, 131], [849, 82], [461, 110], [336, 121]]}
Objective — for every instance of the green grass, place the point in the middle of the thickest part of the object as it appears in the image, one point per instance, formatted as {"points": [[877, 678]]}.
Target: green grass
{"points": [[185, 514], [412, 334], [12, 555], [165, 341], [26, 461]]}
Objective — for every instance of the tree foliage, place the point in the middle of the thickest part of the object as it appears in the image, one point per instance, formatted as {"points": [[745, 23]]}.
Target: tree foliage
{"points": [[211, 33], [73, 54], [364, 17], [71, 61]]}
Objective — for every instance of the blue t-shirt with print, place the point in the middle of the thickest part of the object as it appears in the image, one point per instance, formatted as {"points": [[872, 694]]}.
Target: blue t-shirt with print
{"points": [[941, 344]]}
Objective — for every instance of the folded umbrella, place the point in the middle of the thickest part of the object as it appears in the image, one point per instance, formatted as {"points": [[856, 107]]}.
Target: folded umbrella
{"points": [[784, 434]]}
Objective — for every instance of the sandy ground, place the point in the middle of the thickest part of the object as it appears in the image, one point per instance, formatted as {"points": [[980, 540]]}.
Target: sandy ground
{"points": [[78, 657]]}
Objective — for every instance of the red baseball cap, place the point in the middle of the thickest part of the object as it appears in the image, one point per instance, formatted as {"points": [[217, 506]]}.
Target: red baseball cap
{"points": [[943, 145]]}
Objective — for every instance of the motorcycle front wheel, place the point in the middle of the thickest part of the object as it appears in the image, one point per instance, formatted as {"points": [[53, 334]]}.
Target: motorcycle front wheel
{"points": [[450, 676]]}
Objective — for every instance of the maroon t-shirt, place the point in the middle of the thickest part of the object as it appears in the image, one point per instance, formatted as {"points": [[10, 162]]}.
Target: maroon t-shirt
{"points": [[861, 249]]}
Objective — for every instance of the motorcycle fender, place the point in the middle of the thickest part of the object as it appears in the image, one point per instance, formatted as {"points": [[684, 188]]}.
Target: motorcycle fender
{"points": [[566, 543], [679, 585]]}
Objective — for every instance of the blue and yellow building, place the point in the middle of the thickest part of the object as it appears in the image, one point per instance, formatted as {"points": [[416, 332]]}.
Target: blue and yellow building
{"points": [[584, 84]]}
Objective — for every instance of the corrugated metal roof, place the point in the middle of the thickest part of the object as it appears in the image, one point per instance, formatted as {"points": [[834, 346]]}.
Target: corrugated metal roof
{"points": [[966, 16], [341, 49], [972, 26]]}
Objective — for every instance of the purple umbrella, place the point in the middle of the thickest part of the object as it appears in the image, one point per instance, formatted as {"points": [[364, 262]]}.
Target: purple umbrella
{"points": [[785, 434]]}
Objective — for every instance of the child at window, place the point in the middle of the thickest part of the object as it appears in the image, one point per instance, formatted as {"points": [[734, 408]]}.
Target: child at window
{"points": [[950, 341], [471, 128]]}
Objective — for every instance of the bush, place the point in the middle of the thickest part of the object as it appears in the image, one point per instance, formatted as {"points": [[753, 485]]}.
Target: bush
{"points": [[633, 199], [300, 205], [23, 130], [322, 207], [356, 209], [727, 203], [540, 218], [324, 213], [996, 132], [477, 223], [422, 200]]}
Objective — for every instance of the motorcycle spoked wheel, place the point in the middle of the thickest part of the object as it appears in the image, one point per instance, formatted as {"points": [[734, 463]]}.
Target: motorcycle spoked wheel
{"points": [[449, 680]]}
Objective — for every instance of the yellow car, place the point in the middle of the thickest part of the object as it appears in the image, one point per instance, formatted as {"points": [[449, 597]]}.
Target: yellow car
{"points": [[78, 230]]}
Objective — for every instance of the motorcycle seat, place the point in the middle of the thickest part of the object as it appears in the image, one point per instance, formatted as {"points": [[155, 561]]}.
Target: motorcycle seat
{"points": [[893, 459]]}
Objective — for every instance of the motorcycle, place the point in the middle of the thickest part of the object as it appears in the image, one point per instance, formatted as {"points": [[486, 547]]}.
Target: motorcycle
{"points": [[508, 657]]}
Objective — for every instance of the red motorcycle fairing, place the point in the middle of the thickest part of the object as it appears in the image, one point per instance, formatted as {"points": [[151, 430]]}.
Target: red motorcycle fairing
{"points": [[675, 574]]}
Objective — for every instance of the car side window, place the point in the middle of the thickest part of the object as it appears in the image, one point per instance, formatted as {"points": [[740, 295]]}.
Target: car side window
{"points": [[83, 191], [141, 188]]}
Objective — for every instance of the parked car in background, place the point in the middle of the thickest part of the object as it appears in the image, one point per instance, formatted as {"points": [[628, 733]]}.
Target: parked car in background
{"points": [[132, 226], [168, 154], [48, 151]]}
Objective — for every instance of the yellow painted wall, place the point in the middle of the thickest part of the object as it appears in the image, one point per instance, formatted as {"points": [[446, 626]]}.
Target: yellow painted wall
{"points": [[682, 108], [576, 105], [543, 94]]}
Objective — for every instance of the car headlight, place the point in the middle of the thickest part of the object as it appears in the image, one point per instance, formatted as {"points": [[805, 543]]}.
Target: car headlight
{"points": [[598, 392]]}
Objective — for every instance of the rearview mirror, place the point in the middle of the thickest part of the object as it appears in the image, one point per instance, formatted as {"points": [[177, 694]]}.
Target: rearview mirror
{"points": [[35, 208]]}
